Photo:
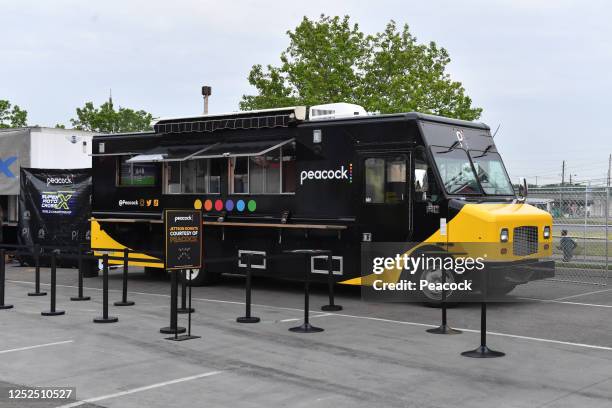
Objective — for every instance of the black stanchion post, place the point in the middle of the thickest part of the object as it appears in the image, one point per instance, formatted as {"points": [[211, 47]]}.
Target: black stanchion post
{"points": [[483, 351], [36, 256], [247, 318], [173, 328], [52, 311], [126, 261], [80, 296], [2, 280], [184, 308], [444, 328], [331, 307], [187, 336], [105, 318], [306, 327]]}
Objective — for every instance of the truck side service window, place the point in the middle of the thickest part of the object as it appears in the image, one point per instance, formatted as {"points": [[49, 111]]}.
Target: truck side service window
{"points": [[135, 174], [385, 180], [198, 176], [239, 175], [270, 173]]}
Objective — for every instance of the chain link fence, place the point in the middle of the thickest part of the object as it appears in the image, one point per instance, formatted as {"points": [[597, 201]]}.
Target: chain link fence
{"points": [[581, 224]]}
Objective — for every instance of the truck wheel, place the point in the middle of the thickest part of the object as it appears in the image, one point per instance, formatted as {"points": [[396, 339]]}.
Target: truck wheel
{"points": [[201, 277], [153, 273], [500, 291], [90, 269]]}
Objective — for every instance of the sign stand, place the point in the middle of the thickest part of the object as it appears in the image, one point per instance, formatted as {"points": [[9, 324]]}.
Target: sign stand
{"points": [[187, 336], [173, 328], [183, 250]]}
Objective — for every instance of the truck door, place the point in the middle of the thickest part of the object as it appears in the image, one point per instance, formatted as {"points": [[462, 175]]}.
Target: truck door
{"points": [[385, 209]]}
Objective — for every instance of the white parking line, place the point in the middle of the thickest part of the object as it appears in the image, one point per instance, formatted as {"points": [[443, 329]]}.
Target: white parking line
{"points": [[583, 294], [590, 346], [298, 319], [36, 346], [139, 389], [567, 303], [516, 336]]}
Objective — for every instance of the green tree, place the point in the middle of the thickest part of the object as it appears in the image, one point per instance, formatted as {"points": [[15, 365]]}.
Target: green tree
{"points": [[12, 116], [106, 119], [331, 60]]}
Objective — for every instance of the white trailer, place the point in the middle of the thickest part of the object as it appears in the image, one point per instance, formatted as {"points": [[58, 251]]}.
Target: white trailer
{"points": [[36, 147]]}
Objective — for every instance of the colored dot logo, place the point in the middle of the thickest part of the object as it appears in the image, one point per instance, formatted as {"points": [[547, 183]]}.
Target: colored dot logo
{"points": [[252, 205], [350, 172], [240, 205], [229, 205]]}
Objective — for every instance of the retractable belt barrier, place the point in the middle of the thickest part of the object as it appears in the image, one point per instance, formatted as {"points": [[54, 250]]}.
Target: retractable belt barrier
{"points": [[81, 254], [2, 280], [444, 328], [80, 296], [52, 311]]}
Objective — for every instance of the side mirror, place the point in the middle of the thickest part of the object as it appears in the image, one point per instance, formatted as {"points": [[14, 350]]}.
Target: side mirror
{"points": [[523, 190]]}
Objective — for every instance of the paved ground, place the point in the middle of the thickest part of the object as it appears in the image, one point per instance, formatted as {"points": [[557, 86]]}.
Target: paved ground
{"points": [[559, 349]]}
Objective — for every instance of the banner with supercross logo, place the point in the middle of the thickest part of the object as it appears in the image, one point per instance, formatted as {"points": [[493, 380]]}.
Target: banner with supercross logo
{"points": [[54, 206]]}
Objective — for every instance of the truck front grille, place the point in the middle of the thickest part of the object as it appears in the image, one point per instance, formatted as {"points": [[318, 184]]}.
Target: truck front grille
{"points": [[525, 241]]}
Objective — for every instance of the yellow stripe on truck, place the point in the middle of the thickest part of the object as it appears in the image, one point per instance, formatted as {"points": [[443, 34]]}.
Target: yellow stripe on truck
{"points": [[100, 239]]}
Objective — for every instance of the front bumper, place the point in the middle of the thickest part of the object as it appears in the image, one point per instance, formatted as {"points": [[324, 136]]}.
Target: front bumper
{"points": [[519, 272]]}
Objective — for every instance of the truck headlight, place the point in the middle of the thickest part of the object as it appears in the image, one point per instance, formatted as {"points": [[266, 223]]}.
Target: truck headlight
{"points": [[546, 232], [503, 235]]}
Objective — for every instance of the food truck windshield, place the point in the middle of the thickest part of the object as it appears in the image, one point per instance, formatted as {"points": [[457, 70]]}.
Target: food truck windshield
{"points": [[470, 174]]}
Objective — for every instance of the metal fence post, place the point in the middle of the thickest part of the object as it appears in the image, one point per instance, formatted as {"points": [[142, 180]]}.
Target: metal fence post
{"points": [[607, 243]]}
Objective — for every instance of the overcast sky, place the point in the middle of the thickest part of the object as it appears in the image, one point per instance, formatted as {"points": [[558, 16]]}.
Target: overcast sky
{"points": [[541, 69]]}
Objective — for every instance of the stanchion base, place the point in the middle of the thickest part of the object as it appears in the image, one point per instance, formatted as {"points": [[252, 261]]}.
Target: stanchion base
{"points": [[180, 310], [183, 337], [170, 330], [6, 307], [331, 308], [483, 352], [128, 303], [80, 298], [306, 328], [444, 329], [37, 294], [249, 319], [109, 319], [55, 313]]}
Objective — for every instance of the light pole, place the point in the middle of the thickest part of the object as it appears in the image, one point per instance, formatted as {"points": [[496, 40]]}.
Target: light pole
{"points": [[206, 92]]}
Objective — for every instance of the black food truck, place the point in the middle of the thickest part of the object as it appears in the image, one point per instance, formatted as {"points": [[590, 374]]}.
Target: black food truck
{"points": [[329, 177]]}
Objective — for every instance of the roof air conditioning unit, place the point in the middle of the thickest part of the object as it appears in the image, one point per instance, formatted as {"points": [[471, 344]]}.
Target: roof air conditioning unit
{"points": [[336, 110]]}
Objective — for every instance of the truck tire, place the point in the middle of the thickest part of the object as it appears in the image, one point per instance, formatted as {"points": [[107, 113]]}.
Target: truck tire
{"points": [[154, 273], [201, 277], [500, 291], [90, 269]]}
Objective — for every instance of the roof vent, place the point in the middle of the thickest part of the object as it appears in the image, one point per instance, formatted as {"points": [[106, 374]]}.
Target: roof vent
{"points": [[336, 110]]}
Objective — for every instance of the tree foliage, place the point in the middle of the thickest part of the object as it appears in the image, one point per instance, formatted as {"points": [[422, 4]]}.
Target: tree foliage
{"points": [[106, 119], [12, 116], [331, 60]]}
